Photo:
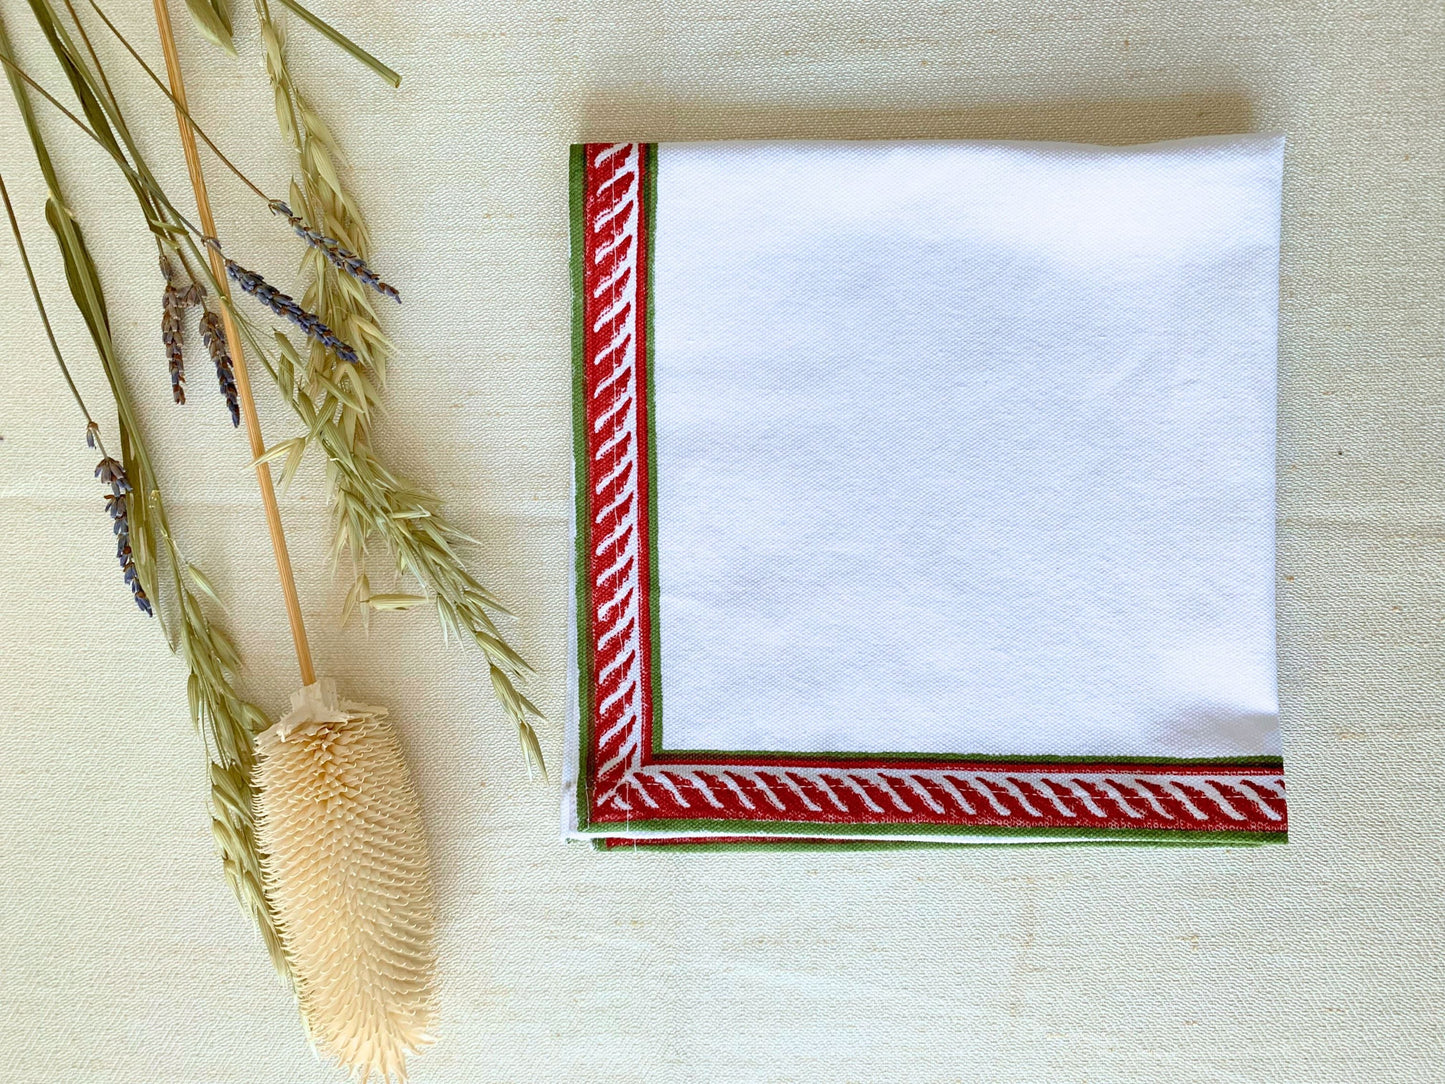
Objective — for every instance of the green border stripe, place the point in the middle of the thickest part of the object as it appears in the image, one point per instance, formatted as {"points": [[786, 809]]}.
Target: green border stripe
{"points": [[654, 588], [692, 826], [1022, 761], [577, 197], [822, 846]]}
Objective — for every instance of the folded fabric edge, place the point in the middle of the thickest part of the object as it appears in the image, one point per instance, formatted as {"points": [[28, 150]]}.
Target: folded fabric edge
{"points": [[1264, 138], [946, 835], [764, 843]]}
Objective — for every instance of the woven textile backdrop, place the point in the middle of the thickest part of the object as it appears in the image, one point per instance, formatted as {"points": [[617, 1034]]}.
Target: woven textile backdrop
{"points": [[122, 955]]}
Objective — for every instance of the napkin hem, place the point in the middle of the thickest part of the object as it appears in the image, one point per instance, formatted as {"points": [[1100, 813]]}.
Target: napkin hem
{"points": [[607, 844]]}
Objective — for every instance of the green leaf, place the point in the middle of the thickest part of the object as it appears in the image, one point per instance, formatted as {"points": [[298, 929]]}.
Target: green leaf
{"points": [[213, 21], [340, 39]]}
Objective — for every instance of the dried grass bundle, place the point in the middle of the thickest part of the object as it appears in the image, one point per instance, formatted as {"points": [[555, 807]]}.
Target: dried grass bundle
{"points": [[225, 721], [354, 877], [346, 869], [344, 864], [332, 392], [336, 397]]}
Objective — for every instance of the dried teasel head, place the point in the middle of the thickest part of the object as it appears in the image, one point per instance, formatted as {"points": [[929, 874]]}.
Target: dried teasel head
{"points": [[347, 872]]}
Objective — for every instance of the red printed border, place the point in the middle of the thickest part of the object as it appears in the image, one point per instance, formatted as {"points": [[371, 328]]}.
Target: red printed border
{"points": [[626, 783]]}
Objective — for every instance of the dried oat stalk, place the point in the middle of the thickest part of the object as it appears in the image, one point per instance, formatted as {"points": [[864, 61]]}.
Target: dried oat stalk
{"points": [[337, 399], [341, 301], [373, 502]]}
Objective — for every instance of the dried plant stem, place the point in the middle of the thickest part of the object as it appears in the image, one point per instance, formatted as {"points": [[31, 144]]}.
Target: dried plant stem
{"points": [[332, 34], [238, 359], [226, 722], [151, 196], [177, 96], [346, 860]]}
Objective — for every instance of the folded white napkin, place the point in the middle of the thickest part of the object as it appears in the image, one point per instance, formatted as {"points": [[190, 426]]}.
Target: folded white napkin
{"points": [[927, 491]]}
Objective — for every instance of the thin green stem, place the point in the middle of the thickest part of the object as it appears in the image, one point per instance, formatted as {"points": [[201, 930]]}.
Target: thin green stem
{"points": [[51, 98], [109, 103], [179, 108], [341, 40], [40, 306], [146, 184], [90, 49], [74, 249]]}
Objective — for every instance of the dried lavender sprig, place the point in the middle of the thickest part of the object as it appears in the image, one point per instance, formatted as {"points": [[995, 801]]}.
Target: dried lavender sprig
{"points": [[171, 337], [283, 305], [172, 308], [214, 336], [340, 256], [176, 299], [112, 473]]}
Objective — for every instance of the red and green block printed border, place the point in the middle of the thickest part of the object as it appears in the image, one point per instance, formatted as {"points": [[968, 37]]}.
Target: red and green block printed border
{"points": [[629, 785]]}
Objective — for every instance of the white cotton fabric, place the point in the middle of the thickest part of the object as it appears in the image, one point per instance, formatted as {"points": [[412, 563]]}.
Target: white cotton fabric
{"points": [[967, 447]]}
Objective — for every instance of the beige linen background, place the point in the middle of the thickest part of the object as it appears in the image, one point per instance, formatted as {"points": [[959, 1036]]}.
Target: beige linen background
{"points": [[122, 955]]}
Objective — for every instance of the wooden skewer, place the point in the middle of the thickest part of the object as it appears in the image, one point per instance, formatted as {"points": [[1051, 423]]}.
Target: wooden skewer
{"points": [[233, 340]]}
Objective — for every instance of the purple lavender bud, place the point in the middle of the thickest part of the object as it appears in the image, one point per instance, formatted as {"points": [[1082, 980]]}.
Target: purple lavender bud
{"points": [[112, 472], [340, 256], [282, 305]]}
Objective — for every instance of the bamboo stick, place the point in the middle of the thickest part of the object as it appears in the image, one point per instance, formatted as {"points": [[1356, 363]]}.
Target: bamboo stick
{"points": [[233, 340]]}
